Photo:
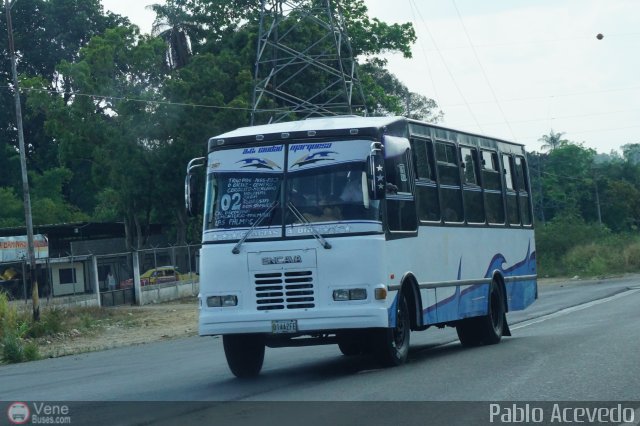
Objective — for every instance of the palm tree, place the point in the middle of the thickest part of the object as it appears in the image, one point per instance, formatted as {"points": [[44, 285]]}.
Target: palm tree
{"points": [[552, 140], [174, 25]]}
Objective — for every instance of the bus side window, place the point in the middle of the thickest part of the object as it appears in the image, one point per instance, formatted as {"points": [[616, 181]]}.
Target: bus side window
{"points": [[399, 174], [449, 182], [523, 191], [401, 209], [472, 194], [512, 199], [492, 182], [426, 189]]}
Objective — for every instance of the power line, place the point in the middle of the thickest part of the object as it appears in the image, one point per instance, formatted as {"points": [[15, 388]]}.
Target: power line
{"points": [[453, 79], [541, 41], [484, 74], [125, 98], [426, 58], [608, 129], [535, 120], [559, 95], [193, 105], [617, 89]]}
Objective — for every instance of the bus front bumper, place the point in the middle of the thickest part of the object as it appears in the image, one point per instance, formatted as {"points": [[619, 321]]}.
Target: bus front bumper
{"points": [[216, 321]]}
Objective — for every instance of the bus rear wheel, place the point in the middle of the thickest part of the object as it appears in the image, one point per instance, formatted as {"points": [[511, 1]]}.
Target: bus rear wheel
{"points": [[487, 329], [244, 353], [391, 345]]}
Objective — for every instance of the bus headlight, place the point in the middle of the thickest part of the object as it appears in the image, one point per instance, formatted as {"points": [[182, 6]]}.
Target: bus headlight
{"points": [[349, 294], [222, 301]]}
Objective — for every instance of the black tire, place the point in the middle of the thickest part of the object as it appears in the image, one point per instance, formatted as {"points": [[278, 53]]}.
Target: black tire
{"points": [[352, 343], [244, 353], [487, 329], [391, 345]]}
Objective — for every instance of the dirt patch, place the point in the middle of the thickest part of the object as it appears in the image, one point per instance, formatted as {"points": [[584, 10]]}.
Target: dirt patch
{"points": [[126, 325]]}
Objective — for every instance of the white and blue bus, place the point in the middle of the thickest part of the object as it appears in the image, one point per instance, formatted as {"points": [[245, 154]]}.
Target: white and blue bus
{"points": [[356, 231]]}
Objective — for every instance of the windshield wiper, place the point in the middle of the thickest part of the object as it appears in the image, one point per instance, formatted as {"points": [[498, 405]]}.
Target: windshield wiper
{"points": [[324, 243], [236, 248]]}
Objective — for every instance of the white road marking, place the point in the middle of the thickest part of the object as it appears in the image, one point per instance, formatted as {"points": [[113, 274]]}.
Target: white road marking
{"points": [[573, 309]]}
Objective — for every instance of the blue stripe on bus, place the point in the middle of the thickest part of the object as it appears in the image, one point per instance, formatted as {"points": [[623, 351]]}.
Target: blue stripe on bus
{"points": [[473, 300], [521, 294]]}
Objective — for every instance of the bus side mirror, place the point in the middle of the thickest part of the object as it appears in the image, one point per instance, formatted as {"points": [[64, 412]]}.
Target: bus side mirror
{"points": [[190, 194], [375, 172], [191, 201]]}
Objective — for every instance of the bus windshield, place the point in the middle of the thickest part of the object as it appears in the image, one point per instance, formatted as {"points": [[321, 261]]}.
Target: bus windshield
{"points": [[235, 201], [332, 196]]}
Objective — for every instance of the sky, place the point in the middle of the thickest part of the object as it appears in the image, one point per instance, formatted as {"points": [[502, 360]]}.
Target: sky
{"points": [[514, 69]]}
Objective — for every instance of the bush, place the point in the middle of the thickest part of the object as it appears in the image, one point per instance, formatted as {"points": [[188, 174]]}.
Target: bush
{"points": [[31, 352], [52, 322], [11, 321], [15, 349], [557, 238], [568, 246], [12, 349], [595, 259], [8, 315], [631, 255], [14, 327]]}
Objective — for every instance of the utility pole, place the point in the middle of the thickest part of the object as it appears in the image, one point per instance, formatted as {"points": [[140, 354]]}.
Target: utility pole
{"points": [[539, 174], [23, 165], [595, 183], [408, 102], [540, 188]]}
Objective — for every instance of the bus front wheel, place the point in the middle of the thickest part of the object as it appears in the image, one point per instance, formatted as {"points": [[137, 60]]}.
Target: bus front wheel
{"points": [[487, 329], [391, 345], [244, 353]]}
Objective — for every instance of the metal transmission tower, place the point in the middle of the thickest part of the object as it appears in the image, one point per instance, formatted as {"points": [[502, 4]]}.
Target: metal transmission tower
{"points": [[304, 64]]}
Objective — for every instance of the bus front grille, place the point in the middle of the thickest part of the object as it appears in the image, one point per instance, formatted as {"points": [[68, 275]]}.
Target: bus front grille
{"points": [[284, 290]]}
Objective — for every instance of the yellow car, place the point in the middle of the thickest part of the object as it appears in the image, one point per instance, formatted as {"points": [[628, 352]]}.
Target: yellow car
{"points": [[9, 274], [161, 274]]}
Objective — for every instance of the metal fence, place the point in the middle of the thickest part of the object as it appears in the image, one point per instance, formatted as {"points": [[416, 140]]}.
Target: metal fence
{"points": [[110, 277]]}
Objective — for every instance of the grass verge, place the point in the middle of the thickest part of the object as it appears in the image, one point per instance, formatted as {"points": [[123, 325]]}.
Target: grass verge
{"points": [[19, 334]]}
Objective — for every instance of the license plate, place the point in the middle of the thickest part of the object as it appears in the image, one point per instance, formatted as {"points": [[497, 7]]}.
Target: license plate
{"points": [[284, 326]]}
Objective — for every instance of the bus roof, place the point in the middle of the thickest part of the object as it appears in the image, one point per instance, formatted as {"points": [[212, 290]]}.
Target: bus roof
{"points": [[334, 124], [321, 123]]}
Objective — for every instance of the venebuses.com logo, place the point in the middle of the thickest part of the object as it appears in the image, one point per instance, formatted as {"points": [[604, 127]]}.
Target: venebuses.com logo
{"points": [[18, 413]]}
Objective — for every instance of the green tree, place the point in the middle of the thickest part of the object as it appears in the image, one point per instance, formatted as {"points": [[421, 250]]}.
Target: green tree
{"points": [[110, 141], [11, 209], [619, 180], [386, 95], [567, 181], [49, 204], [176, 26], [631, 153], [214, 80], [553, 140], [46, 32], [621, 205], [370, 36], [110, 127]]}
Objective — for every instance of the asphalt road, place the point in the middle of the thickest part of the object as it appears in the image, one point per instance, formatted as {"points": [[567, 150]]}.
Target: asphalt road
{"points": [[579, 342]]}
